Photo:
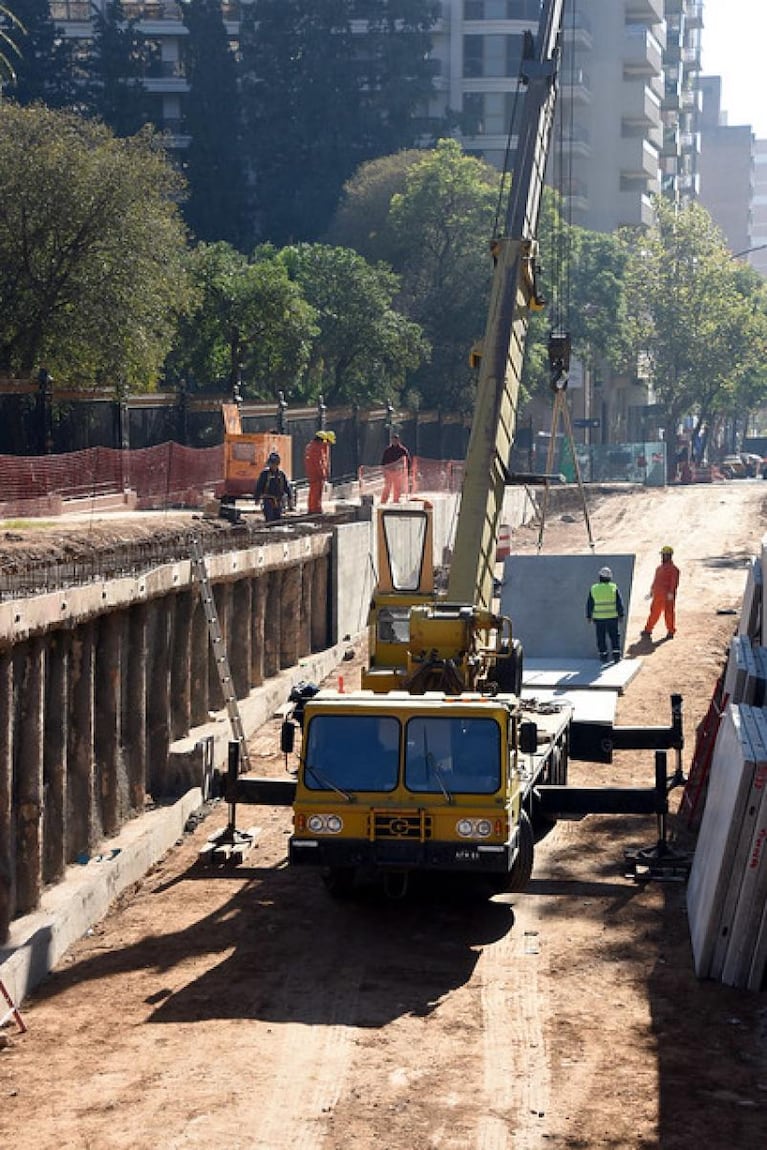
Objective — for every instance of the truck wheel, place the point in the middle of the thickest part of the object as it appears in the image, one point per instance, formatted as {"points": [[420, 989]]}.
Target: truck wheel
{"points": [[339, 881], [522, 869]]}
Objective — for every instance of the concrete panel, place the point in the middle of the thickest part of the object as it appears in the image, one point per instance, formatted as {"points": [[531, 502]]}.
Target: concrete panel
{"points": [[749, 877], [730, 781], [750, 622], [545, 596], [352, 579], [571, 674]]}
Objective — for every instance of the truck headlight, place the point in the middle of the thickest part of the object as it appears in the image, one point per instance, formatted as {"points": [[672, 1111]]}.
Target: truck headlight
{"points": [[474, 828], [325, 824]]}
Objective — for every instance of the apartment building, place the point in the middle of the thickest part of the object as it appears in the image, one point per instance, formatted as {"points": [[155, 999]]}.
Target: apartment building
{"points": [[628, 103], [726, 169], [758, 257]]}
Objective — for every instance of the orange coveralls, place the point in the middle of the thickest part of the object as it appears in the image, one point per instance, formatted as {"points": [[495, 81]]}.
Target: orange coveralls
{"points": [[317, 467], [663, 591]]}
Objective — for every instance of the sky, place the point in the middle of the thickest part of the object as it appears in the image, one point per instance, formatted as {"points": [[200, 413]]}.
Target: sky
{"points": [[733, 46]]}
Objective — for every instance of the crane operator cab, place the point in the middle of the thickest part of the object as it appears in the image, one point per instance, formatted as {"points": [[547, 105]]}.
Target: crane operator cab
{"points": [[418, 641]]}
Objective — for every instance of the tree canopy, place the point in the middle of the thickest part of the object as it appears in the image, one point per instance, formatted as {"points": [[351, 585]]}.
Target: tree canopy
{"points": [[251, 326], [364, 348], [215, 209], [92, 275], [43, 67], [697, 318], [320, 96], [114, 67]]}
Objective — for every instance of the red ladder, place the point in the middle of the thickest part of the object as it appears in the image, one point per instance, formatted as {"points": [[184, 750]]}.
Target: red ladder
{"points": [[13, 1011]]}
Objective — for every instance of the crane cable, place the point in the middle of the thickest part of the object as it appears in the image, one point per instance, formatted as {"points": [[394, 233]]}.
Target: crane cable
{"points": [[561, 410], [559, 339]]}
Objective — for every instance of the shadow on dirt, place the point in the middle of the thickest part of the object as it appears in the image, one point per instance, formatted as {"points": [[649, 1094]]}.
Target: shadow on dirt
{"points": [[288, 952]]}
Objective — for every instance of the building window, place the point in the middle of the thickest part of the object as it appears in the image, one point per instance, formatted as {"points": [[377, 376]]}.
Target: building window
{"points": [[492, 56]]}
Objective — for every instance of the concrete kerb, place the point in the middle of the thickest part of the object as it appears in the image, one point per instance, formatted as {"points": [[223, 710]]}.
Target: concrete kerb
{"points": [[68, 909]]}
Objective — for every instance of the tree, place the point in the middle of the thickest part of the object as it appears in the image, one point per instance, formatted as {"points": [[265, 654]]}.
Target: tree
{"points": [[91, 250], [113, 85], [213, 167], [320, 97], [688, 315], [251, 325], [44, 68], [361, 220], [364, 347], [10, 30], [441, 225]]}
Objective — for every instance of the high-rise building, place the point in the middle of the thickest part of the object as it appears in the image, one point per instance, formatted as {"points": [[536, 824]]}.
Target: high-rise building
{"points": [[628, 103]]}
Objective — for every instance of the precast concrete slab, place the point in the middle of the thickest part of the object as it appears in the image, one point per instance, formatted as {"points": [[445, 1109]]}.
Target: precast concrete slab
{"points": [[577, 674], [545, 598], [597, 707]]}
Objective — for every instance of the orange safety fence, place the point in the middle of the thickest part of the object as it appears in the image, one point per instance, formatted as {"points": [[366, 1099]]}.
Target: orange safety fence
{"points": [[157, 477], [426, 475]]}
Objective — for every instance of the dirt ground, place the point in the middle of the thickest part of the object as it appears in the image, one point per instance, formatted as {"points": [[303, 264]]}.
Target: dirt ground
{"points": [[246, 1009]]}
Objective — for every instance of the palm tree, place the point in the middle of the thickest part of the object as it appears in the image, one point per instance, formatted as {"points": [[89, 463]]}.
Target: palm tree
{"points": [[8, 45]]}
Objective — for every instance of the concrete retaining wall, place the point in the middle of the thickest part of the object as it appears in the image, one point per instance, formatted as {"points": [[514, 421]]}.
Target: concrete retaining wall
{"points": [[110, 700]]}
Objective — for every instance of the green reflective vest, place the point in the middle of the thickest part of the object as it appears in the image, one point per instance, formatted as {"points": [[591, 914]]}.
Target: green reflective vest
{"points": [[605, 596]]}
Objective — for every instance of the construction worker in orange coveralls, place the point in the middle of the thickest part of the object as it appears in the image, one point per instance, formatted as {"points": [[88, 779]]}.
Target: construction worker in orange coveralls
{"points": [[317, 467], [663, 592], [396, 468]]}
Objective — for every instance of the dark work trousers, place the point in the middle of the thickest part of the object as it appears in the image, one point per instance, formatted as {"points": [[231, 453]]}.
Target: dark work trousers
{"points": [[607, 631]]}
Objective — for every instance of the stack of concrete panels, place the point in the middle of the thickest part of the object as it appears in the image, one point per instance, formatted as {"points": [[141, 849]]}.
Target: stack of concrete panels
{"points": [[740, 666], [750, 622], [727, 891]]}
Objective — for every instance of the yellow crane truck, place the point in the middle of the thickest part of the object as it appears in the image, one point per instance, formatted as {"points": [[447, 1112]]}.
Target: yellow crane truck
{"points": [[438, 765], [432, 765]]}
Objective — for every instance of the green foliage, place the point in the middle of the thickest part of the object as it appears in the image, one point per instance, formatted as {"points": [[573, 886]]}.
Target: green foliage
{"points": [[213, 163], [442, 225], [362, 220], [44, 66], [91, 250], [693, 313], [320, 97], [11, 29], [251, 325], [364, 347], [114, 70]]}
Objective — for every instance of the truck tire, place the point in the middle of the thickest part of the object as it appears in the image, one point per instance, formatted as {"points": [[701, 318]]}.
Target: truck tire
{"points": [[507, 672], [522, 868]]}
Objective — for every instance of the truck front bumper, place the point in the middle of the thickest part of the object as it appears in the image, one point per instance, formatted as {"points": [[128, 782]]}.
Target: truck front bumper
{"points": [[468, 857]]}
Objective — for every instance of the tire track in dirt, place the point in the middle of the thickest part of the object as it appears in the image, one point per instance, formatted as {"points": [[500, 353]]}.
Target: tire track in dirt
{"points": [[515, 1067], [309, 1071]]}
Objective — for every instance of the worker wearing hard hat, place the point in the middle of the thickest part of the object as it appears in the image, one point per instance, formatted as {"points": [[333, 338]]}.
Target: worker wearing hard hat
{"points": [[663, 595], [604, 608], [273, 489], [317, 467]]}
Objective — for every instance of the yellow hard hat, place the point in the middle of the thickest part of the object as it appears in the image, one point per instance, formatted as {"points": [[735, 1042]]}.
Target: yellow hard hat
{"points": [[329, 436], [667, 550]]}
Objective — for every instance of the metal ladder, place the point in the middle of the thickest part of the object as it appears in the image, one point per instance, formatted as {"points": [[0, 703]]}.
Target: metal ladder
{"points": [[200, 573]]}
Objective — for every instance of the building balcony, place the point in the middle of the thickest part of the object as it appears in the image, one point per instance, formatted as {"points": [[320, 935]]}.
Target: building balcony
{"points": [[642, 55], [640, 106], [637, 158], [644, 11], [634, 210]]}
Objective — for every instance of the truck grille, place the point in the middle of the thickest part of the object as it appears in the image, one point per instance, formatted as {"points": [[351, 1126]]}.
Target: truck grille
{"points": [[398, 825]]}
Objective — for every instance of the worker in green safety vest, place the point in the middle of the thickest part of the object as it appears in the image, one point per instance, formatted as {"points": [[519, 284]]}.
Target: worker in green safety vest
{"points": [[604, 608]]}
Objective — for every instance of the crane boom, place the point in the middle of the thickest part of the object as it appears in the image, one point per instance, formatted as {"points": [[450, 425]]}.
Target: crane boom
{"points": [[513, 292]]}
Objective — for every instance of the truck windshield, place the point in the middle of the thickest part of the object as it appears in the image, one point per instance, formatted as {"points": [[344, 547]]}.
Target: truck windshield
{"points": [[453, 754], [351, 753]]}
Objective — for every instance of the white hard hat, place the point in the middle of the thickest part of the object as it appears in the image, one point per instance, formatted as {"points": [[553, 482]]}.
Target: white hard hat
{"points": [[605, 573]]}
